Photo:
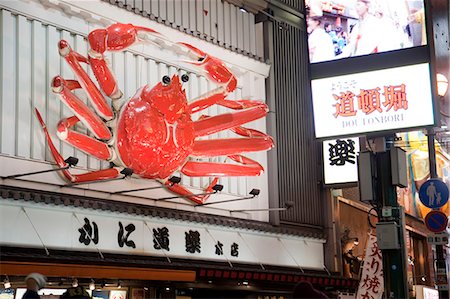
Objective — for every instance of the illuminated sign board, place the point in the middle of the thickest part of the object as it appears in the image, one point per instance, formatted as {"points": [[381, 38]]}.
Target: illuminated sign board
{"points": [[340, 160], [347, 28], [382, 100]]}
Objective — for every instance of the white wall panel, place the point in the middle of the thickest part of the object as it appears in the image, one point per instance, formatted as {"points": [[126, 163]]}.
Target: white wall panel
{"points": [[8, 90], [214, 18], [30, 60], [23, 100], [39, 85]]}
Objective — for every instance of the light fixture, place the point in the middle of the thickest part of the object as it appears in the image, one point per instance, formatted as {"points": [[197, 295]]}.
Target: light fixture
{"points": [[423, 278], [253, 193], [245, 283], [75, 282], [286, 207], [216, 189], [127, 172], [92, 285], [167, 289], [6, 283], [173, 180], [442, 84], [242, 9], [119, 284], [71, 162]]}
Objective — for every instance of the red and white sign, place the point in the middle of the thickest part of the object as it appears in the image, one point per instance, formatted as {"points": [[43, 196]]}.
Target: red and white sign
{"points": [[371, 284], [383, 100]]}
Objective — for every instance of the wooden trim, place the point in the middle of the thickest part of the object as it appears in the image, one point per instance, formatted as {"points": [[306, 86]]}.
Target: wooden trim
{"points": [[94, 271]]}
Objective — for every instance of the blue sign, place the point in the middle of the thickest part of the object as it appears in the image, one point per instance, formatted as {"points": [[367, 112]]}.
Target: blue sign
{"points": [[436, 221], [433, 193]]}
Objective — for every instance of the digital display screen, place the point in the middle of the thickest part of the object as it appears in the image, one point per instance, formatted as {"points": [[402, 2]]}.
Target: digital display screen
{"points": [[382, 100], [347, 28]]}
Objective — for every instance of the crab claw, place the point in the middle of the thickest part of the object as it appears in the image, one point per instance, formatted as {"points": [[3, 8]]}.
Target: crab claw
{"points": [[116, 37], [213, 67]]}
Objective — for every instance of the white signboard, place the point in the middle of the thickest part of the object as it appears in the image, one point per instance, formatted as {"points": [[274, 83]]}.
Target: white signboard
{"points": [[83, 230], [425, 292], [371, 284], [339, 160], [389, 99]]}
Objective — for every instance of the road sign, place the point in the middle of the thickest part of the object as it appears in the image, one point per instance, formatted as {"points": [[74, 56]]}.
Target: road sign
{"points": [[438, 239], [436, 221], [433, 193]]}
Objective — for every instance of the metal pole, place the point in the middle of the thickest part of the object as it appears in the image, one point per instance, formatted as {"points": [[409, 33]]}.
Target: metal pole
{"points": [[440, 260], [394, 260]]}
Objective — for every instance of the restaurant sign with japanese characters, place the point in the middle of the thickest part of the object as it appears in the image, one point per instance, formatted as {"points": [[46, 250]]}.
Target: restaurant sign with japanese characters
{"points": [[340, 156], [383, 100], [34, 225]]}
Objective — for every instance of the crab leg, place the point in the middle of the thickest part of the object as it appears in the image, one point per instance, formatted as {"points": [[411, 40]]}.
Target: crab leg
{"points": [[229, 146], [95, 96], [249, 168], [81, 110], [243, 131], [212, 98], [214, 124], [103, 174], [116, 37], [199, 199], [83, 142]]}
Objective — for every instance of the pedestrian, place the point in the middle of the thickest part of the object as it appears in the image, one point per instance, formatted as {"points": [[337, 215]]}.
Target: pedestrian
{"points": [[34, 282], [304, 289]]}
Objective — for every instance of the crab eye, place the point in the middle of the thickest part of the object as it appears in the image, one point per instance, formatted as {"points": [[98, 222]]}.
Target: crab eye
{"points": [[185, 77], [166, 80]]}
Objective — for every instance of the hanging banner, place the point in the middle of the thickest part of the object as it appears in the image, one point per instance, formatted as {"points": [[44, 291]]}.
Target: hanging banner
{"points": [[371, 284]]}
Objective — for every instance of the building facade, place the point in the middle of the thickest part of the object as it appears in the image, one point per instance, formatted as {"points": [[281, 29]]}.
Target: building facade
{"points": [[131, 232]]}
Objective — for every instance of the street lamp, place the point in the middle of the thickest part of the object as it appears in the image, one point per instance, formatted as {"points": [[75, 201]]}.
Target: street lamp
{"points": [[442, 84]]}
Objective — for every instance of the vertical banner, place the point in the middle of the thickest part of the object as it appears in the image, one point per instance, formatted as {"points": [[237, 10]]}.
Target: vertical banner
{"points": [[371, 284]]}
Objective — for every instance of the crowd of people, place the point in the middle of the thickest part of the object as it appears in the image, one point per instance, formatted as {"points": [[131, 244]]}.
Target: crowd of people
{"points": [[372, 32]]}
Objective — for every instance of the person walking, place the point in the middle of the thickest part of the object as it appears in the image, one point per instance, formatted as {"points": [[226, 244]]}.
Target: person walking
{"points": [[34, 282]]}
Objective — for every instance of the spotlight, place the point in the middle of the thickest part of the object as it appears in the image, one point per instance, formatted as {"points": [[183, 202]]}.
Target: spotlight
{"points": [[245, 283], [423, 278], [119, 284], [217, 188], [127, 172], [72, 161], [167, 289], [92, 285], [242, 9], [75, 282], [254, 192], [175, 179], [6, 283]]}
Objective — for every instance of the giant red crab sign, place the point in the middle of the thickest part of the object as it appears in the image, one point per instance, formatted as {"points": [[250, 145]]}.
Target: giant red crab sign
{"points": [[153, 133]]}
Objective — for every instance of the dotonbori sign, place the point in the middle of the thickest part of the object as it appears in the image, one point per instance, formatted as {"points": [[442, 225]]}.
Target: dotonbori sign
{"points": [[382, 100], [370, 68]]}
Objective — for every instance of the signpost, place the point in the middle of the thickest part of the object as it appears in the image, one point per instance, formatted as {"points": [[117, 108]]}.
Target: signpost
{"points": [[436, 221], [433, 193]]}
